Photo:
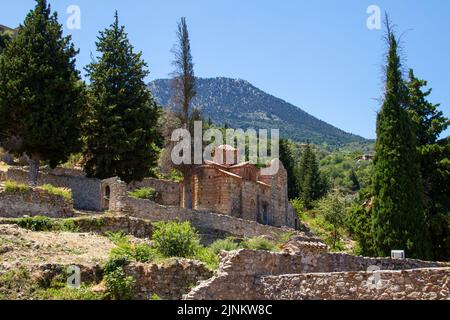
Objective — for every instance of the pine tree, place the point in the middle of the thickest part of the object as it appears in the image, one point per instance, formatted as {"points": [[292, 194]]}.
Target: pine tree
{"points": [[311, 184], [121, 133], [398, 215], [41, 95], [434, 161]]}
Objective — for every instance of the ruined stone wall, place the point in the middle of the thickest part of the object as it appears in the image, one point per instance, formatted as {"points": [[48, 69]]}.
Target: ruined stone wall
{"points": [[205, 222], [33, 202], [168, 191], [417, 284], [170, 280], [86, 191], [240, 271]]}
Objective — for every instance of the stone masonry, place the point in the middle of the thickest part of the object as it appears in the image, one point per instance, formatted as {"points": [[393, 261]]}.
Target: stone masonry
{"points": [[33, 202], [312, 273]]}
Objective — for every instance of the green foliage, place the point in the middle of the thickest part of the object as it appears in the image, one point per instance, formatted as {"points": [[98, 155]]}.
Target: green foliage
{"points": [[359, 223], [143, 193], [312, 185], [140, 252], [121, 132], [333, 209], [19, 284], [260, 243], [398, 215], [38, 223], [175, 239], [12, 186], [207, 256], [119, 285], [62, 192], [288, 159], [75, 160], [42, 223], [41, 94], [228, 244], [155, 297], [345, 172]]}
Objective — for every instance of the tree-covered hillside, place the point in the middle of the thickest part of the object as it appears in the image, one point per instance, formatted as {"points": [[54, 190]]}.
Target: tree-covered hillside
{"points": [[239, 104]]}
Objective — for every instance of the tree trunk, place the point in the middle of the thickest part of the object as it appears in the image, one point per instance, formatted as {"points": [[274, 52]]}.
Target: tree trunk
{"points": [[187, 192], [34, 170]]}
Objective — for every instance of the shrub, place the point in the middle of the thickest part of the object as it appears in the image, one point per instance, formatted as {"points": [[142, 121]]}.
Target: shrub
{"points": [[63, 192], [119, 285], [228, 244], [143, 193], [12, 186], [38, 223], [207, 256], [260, 243], [175, 239], [140, 252], [67, 226]]}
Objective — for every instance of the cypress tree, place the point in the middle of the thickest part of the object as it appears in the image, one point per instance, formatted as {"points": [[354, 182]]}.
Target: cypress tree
{"points": [[398, 214], [429, 123], [121, 133], [40, 91], [311, 184], [288, 161]]}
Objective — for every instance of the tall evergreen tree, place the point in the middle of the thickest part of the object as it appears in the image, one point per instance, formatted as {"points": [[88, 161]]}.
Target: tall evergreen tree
{"points": [[121, 133], [4, 37], [311, 184], [183, 91], [435, 166], [398, 214], [40, 91], [288, 161]]}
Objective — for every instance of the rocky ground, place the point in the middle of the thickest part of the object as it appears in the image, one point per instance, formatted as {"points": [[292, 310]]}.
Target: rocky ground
{"points": [[23, 247]]}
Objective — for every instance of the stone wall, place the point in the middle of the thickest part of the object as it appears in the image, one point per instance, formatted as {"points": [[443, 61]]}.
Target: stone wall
{"points": [[205, 222], [170, 280], [240, 271], [86, 191], [103, 224], [168, 192], [33, 202], [417, 284]]}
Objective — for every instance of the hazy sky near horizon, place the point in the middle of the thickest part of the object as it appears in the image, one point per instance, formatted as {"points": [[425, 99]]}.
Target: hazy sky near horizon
{"points": [[318, 55]]}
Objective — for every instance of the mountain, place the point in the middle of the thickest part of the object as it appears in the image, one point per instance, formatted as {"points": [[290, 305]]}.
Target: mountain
{"points": [[241, 105]]}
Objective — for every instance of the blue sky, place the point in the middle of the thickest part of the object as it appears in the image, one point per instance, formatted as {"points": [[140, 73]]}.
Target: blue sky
{"points": [[318, 55]]}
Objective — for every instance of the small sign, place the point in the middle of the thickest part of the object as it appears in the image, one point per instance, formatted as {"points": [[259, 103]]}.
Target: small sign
{"points": [[398, 254]]}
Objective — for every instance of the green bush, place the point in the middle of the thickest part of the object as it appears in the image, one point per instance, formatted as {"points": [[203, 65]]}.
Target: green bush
{"points": [[228, 244], [63, 192], [38, 223], [175, 239], [140, 252], [208, 257], [119, 285], [12, 186], [143, 193], [260, 243], [42, 223]]}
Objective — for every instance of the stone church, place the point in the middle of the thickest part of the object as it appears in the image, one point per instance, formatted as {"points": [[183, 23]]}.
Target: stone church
{"points": [[240, 190]]}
